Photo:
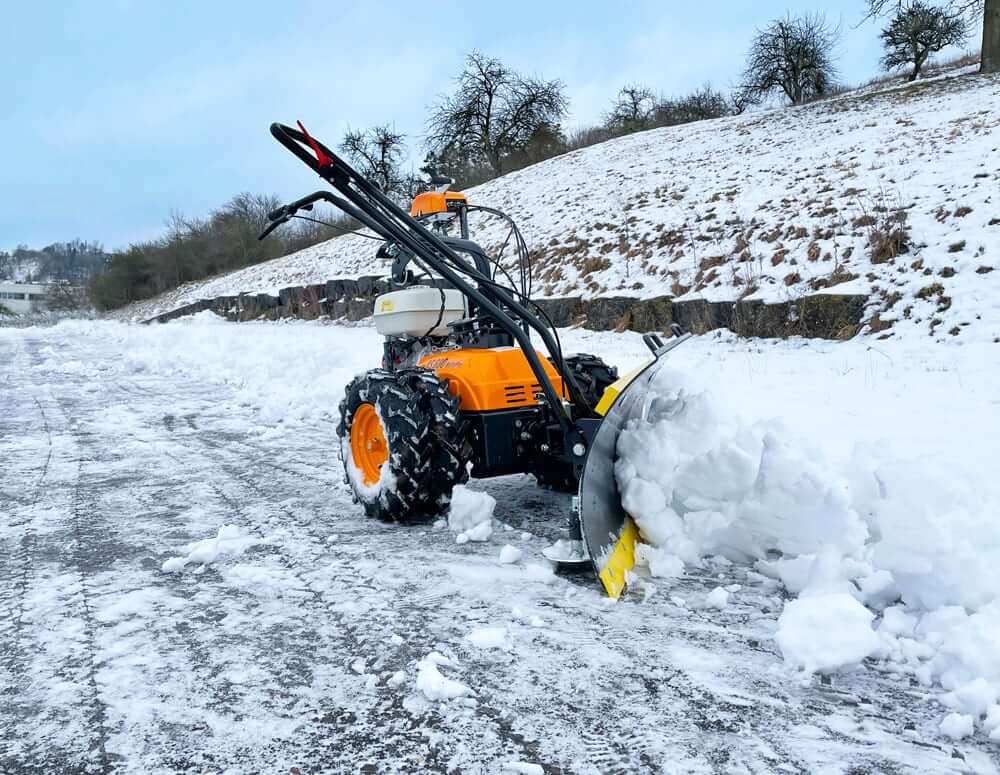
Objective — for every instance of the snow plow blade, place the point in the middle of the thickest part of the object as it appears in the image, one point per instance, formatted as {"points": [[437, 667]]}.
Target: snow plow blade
{"points": [[608, 532]]}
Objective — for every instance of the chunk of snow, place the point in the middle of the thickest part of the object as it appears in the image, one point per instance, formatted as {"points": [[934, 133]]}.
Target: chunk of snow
{"points": [[437, 658], [974, 698], [510, 554], [435, 686], [523, 768], [717, 598], [397, 679], [471, 514], [825, 632], [488, 638], [992, 720], [956, 726], [230, 540], [479, 533], [895, 621], [661, 563]]}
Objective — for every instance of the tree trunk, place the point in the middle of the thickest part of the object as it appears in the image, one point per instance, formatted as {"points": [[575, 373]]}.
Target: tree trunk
{"points": [[991, 37], [918, 64]]}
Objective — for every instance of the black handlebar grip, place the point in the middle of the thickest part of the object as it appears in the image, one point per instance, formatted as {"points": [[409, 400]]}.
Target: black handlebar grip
{"points": [[275, 223]]}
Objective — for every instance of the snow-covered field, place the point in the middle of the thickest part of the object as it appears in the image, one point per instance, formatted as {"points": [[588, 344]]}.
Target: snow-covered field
{"points": [[770, 205], [187, 587]]}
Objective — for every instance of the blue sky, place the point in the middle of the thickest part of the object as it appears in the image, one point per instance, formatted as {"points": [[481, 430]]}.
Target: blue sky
{"points": [[119, 112]]}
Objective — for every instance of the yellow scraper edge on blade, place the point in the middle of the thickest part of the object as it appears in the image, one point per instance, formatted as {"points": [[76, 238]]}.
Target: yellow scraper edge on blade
{"points": [[620, 561]]}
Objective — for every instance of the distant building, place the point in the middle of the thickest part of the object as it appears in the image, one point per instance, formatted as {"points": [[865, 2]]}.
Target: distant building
{"points": [[21, 298]]}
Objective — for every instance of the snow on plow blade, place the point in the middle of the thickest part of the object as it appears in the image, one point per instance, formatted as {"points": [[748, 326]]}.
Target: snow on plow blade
{"points": [[609, 533]]}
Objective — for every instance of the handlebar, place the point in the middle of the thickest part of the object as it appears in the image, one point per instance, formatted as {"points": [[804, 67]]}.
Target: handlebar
{"points": [[362, 200]]}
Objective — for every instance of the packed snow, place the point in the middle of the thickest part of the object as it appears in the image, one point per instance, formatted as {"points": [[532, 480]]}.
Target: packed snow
{"points": [[832, 606]]}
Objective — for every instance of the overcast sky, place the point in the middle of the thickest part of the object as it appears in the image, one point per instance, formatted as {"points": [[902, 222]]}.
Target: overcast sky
{"points": [[119, 112]]}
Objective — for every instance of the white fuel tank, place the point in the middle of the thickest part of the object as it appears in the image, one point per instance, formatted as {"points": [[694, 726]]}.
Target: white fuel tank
{"points": [[417, 311]]}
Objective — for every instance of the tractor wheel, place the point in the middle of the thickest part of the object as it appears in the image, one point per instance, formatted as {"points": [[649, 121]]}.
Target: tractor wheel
{"points": [[402, 444], [592, 375]]}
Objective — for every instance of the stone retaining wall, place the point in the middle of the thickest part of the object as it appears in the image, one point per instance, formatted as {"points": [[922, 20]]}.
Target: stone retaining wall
{"points": [[826, 316]]}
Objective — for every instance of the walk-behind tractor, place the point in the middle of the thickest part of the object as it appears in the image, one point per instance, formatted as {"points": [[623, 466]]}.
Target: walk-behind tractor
{"points": [[462, 389]]}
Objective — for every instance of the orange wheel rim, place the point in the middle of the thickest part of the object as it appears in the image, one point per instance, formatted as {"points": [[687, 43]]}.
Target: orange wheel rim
{"points": [[368, 446]]}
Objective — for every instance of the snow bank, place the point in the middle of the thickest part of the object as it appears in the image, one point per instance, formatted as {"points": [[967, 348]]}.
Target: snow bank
{"points": [[890, 557], [292, 372]]}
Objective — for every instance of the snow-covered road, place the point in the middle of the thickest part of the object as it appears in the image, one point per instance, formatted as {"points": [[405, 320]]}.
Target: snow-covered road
{"points": [[296, 647]]}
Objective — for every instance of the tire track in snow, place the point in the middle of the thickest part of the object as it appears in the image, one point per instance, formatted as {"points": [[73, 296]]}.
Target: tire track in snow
{"points": [[316, 552], [97, 712], [351, 642], [326, 622], [21, 557], [14, 656], [609, 753], [66, 666], [84, 524]]}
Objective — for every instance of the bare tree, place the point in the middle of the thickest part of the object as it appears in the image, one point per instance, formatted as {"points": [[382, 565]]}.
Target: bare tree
{"points": [[988, 11], [739, 100], [378, 152], [63, 297], [494, 112], [632, 110], [699, 105], [917, 31], [794, 56]]}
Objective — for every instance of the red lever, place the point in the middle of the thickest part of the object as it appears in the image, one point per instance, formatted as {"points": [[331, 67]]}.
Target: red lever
{"points": [[322, 158]]}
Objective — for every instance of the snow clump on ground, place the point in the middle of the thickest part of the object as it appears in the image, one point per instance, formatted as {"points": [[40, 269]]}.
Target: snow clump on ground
{"points": [[471, 514], [230, 540], [436, 686]]}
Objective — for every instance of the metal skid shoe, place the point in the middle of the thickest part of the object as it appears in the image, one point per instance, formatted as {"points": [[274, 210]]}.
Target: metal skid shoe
{"points": [[569, 553]]}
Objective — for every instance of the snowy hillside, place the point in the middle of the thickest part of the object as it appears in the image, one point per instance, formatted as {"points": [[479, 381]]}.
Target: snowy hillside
{"points": [[770, 205], [19, 270]]}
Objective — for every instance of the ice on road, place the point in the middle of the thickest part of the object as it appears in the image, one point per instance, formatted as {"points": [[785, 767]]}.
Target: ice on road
{"points": [[186, 586]]}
